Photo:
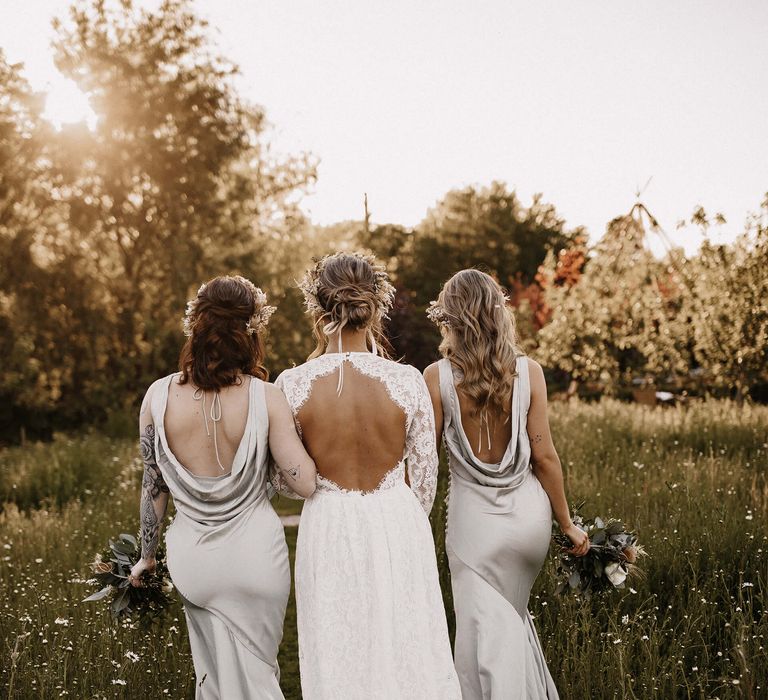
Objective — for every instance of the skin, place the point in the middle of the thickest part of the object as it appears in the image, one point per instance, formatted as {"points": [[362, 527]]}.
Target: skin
{"points": [[284, 444], [544, 459]]}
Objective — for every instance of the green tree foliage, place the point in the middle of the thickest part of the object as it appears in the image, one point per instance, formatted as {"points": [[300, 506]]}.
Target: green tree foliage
{"points": [[620, 321], [175, 184], [46, 300], [484, 227], [728, 307]]}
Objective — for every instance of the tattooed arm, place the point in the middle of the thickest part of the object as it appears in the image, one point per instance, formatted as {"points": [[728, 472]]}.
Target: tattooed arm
{"points": [[296, 466], [154, 495]]}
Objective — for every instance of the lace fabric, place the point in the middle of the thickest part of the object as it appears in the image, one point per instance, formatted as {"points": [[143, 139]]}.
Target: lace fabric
{"points": [[405, 386]]}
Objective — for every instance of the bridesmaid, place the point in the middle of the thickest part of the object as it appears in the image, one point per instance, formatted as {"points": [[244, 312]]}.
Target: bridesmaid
{"points": [[490, 406], [206, 433]]}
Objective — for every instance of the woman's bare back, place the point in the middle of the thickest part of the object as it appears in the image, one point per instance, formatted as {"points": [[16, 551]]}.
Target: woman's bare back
{"points": [[354, 438], [488, 437], [382, 420], [185, 426]]}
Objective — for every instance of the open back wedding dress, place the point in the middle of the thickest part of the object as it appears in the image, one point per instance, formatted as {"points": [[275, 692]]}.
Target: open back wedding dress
{"points": [[371, 621]]}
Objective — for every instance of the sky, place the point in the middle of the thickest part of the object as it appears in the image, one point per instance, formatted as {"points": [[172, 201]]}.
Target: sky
{"points": [[585, 102]]}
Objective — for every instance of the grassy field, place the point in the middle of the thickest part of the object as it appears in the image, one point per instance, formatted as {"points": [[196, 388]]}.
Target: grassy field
{"points": [[693, 481]]}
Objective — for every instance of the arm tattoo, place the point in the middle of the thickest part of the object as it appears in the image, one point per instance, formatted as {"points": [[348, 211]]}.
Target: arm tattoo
{"points": [[152, 485], [537, 438], [294, 472]]}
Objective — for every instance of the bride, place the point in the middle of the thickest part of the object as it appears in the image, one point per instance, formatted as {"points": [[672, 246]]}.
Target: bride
{"points": [[371, 621]]}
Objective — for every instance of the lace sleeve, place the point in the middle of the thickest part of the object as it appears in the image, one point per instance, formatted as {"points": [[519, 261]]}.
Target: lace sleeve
{"points": [[277, 478], [420, 446]]}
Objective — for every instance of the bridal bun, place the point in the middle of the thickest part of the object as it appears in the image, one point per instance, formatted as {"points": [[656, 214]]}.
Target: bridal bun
{"points": [[346, 291]]}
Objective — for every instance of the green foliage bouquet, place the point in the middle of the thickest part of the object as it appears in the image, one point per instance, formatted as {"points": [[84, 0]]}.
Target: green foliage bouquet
{"points": [[111, 570], [611, 559]]}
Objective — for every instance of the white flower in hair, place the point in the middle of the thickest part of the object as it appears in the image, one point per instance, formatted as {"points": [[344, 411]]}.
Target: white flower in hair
{"points": [[261, 315], [382, 287], [437, 314], [191, 312]]}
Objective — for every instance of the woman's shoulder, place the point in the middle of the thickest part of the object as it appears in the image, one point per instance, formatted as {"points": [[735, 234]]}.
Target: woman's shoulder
{"points": [[154, 390], [534, 368], [159, 383]]}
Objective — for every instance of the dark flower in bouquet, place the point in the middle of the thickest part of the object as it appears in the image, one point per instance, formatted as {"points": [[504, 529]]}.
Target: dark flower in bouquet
{"points": [[611, 559], [110, 574]]}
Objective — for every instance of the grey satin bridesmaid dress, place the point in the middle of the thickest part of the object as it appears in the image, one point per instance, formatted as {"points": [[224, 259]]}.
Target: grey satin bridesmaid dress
{"points": [[228, 558], [499, 526]]}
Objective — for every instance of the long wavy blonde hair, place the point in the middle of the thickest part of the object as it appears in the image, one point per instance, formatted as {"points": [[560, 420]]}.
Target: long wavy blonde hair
{"points": [[479, 338]]}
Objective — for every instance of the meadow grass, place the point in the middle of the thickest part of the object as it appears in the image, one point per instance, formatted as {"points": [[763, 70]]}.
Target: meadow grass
{"points": [[693, 481]]}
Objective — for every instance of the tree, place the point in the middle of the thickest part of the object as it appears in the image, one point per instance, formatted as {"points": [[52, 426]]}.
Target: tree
{"points": [[176, 184], [619, 320], [487, 228], [728, 306], [104, 235]]}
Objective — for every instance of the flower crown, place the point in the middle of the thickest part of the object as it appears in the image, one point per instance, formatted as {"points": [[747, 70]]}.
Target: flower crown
{"points": [[256, 323], [310, 284], [439, 316]]}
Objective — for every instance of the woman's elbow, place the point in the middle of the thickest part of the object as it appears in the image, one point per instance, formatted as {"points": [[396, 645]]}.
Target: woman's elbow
{"points": [[308, 489], [546, 462]]}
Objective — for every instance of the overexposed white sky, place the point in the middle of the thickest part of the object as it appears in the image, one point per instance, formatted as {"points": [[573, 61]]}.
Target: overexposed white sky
{"points": [[582, 101]]}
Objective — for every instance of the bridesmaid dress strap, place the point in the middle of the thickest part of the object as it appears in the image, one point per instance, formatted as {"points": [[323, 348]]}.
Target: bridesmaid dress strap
{"points": [[446, 390], [523, 400]]}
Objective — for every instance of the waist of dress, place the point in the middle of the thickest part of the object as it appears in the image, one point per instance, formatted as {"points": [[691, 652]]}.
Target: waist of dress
{"points": [[214, 515]]}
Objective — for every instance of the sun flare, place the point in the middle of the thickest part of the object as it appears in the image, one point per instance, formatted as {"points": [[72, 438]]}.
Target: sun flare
{"points": [[65, 103]]}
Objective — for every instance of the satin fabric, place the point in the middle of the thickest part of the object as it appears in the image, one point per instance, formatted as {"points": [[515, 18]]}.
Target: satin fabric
{"points": [[498, 531], [228, 558]]}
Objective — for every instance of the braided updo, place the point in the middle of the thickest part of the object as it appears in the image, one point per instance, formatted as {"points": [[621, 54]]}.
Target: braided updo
{"points": [[347, 290], [223, 325]]}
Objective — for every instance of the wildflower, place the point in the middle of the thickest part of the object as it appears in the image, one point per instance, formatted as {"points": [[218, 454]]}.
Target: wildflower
{"points": [[61, 621], [132, 656]]}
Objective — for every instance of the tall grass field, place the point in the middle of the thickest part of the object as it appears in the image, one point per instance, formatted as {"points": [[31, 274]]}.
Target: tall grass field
{"points": [[693, 481]]}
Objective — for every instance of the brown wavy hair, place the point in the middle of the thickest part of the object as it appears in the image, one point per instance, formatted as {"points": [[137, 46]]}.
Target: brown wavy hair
{"points": [[348, 290], [220, 348], [479, 338]]}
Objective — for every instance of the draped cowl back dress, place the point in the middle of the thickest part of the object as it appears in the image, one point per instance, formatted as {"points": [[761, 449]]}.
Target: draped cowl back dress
{"points": [[499, 526], [228, 558]]}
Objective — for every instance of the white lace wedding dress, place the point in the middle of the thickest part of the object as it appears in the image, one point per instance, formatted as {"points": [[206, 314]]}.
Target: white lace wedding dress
{"points": [[371, 621]]}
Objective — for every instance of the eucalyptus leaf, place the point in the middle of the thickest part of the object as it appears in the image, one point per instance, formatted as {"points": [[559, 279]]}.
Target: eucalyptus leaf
{"points": [[130, 539], [103, 593], [123, 548], [120, 602]]}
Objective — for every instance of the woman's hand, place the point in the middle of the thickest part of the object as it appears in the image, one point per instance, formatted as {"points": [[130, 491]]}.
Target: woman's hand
{"points": [[141, 566], [578, 538]]}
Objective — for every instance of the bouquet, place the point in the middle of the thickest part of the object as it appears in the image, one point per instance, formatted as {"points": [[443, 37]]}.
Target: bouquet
{"points": [[111, 571], [613, 553]]}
